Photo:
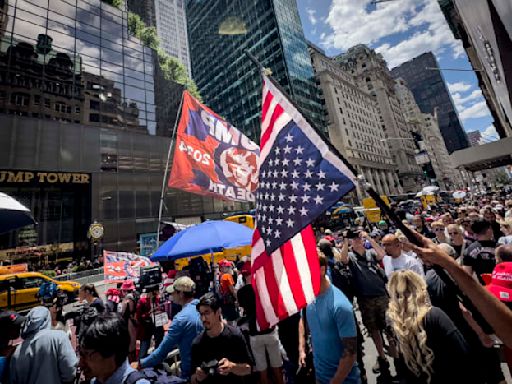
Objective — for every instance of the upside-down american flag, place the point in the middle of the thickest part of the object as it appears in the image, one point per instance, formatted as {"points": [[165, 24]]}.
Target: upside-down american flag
{"points": [[300, 177]]}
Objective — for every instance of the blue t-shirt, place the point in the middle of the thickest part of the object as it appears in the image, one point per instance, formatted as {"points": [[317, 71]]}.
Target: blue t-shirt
{"points": [[4, 363], [331, 318]]}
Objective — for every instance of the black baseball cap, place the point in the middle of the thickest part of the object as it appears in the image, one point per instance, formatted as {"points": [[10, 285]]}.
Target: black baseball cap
{"points": [[10, 319]]}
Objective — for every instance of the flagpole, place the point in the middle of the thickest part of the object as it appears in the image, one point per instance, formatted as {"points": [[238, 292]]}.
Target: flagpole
{"points": [[378, 200], [166, 172]]}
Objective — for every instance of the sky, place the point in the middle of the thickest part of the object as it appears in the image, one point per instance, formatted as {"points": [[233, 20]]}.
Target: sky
{"points": [[400, 30]]}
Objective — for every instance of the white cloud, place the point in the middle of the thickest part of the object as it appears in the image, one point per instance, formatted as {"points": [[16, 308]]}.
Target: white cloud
{"points": [[312, 15], [468, 101], [358, 22], [461, 101], [475, 111], [489, 134], [459, 87]]}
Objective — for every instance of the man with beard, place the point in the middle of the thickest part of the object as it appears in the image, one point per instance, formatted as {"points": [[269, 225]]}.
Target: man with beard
{"points": [[219, 353]]}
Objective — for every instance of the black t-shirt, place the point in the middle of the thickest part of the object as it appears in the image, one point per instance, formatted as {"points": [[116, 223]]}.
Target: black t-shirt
{"points": [[367, 276], [496, 230], [458, 249], [450, 350], [480, 256], [445, 298], [230, 344]]}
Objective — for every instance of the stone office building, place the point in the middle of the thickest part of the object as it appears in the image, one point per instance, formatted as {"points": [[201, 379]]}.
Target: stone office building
{"points": [[354, 124], [372, 74]]}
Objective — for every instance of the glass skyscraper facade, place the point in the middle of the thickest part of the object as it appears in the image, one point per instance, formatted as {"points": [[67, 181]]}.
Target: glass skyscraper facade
{"points": [[220, 31], [431, 95], [74, 61], [85, 120]]}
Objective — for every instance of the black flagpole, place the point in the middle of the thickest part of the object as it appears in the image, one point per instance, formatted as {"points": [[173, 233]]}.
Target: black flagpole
{"points": [[382, 205]]}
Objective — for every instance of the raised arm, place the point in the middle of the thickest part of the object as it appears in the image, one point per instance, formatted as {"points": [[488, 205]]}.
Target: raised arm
{"points": [[378, 249], [495, 312], [344, 251]]}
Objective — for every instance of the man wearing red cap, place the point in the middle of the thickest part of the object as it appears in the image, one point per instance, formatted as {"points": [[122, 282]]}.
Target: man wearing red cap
{"points": [[501, 288]]}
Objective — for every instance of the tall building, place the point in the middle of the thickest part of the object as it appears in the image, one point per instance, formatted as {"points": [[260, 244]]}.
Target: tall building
{"points": [[485, 28], [475, 137], [220, 31], [81, 127], [171, 25], [169, 19], [437, 165], [372, 74], [353, 123], [430, 92]]}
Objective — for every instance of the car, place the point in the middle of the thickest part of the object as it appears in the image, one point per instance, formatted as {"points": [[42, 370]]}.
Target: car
{"points": [[24, 288]]}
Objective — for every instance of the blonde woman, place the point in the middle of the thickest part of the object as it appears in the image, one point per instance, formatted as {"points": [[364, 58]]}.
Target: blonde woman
{"points": [[432, 348]]}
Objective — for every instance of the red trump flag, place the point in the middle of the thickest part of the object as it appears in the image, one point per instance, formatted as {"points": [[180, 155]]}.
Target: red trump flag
{"points": [[211, 156]]}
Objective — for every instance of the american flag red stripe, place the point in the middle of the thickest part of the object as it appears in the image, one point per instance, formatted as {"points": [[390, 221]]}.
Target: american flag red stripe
{"points": [[286, 281]]}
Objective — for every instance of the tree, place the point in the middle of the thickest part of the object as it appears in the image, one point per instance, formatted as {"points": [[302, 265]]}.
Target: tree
{"points": [[172, 68]]}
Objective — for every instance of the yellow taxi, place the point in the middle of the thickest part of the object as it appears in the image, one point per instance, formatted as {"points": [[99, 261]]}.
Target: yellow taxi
{"points": [[25, 287]]}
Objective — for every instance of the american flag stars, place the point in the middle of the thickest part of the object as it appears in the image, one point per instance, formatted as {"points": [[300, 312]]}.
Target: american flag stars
{"points": [[291, 187]]}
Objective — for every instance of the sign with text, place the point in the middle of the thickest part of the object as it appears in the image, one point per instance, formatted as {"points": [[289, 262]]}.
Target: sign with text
{"points": [[212, 157], [29, 177]]}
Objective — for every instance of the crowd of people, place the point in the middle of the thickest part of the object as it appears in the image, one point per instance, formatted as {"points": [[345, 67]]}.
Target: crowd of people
{"points": [[407, 297]]}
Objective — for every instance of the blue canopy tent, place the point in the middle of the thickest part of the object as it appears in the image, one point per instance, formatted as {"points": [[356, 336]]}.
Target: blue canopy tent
{"points": [[207, 237]]}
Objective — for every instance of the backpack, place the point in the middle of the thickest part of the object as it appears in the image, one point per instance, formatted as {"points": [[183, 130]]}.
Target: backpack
{"points": [[154, 376], [47, 292]]}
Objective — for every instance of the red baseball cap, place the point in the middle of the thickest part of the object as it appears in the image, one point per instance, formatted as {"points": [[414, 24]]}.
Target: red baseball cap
{"points": [[501, 283], [246, 268]]}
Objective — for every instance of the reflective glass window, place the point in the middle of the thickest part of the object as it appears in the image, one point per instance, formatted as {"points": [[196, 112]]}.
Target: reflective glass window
{"points": [[85, 6], [111, 56], [88, 18], [62, 40], [136, 94], [129, 72], [82, 34], [133, 64], [27, 31], [132, 54], [134, 82], [116, 76], [62, 7]]}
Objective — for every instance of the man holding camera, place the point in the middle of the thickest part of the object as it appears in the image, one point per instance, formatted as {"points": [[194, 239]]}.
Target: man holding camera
{"points": [[220, 353], [369, 283]]}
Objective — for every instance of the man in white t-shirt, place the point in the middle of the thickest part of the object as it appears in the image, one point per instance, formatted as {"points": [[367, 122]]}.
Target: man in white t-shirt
{"points": [[396, 259]]}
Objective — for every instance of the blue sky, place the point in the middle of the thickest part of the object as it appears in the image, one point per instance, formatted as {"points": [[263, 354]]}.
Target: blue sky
{"points": [[400, 30]]}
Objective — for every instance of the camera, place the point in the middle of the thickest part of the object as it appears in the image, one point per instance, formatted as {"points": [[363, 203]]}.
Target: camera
{"points": [[210, 367], [351, 234], [150, 278]]}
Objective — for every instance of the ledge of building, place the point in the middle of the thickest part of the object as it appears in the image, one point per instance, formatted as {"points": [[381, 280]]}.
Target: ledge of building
{"points": [[486, 156]]}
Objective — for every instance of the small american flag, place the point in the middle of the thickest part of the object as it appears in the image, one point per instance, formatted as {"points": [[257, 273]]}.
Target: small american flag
{"points": [[300, 177]]}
